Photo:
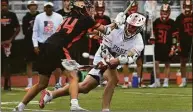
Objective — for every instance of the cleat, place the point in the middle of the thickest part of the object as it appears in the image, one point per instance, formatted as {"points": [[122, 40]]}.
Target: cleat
{"points": [[182, 85], [154, 85], [125, 86], [143, 86], [42, 102], [16, 109], [165, 85], [27, 88], [77, 108]]}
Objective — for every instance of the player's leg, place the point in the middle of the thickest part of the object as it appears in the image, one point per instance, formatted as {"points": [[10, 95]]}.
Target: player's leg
{"points": [[166, 73], [31, 93], [139, 63], [58, 79], [46, 63], [111, 76], [184, 54], [126, 76], [89, 83], [183, 61], [29, 75], [157, 80]]}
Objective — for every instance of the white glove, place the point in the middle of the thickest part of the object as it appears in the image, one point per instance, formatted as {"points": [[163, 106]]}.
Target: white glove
{"points": [[120, 19]]}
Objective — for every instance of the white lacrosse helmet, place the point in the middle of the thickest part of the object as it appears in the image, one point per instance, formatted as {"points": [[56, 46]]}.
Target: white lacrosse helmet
{"points": [[134, 24]]}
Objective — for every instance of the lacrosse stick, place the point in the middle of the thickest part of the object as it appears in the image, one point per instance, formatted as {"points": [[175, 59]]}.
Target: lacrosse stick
{"points": [[150, 8], [127, 9]]}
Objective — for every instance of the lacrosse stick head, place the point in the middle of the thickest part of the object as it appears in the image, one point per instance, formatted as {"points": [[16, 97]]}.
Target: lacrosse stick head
{"points": [[70, 65], [150, 8], [133, 8]]}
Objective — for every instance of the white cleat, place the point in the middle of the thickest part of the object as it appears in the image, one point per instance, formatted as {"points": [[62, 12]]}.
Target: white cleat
{"points": [[28, 87], [16, 109], [165, 85], [183, 84], [143, 86], [125, 86], [154, 85], [77, 108]]}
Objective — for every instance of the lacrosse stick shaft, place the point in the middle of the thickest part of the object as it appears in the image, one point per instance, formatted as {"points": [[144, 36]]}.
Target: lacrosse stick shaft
{"points": [[151, 11], [127, 9]]}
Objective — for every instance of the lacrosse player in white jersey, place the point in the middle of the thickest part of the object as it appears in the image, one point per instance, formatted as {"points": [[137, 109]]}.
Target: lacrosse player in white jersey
{"points": [[121, 46]]}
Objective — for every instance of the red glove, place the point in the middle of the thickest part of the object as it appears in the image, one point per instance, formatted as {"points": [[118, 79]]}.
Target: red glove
{"points": [[113, 63], [102, 66]]}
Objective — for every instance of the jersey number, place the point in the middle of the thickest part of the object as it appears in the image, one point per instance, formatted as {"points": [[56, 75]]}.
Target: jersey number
{"points": [[67, 25], [162, 34]]}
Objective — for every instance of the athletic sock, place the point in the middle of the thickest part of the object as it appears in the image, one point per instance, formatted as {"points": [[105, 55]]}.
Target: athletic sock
{"points": [[30, 82]]}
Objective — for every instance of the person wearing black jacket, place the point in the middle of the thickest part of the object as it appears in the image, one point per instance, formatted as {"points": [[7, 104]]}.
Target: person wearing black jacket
{"points": [[27, 27], [9, 30]]}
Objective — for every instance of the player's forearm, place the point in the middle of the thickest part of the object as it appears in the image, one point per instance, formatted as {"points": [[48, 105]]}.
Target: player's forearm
{"points": [[34, 39], [106, 29], [17, 30]]}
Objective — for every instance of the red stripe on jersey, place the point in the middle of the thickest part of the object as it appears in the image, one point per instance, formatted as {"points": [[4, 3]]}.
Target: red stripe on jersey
{"points": [[76, 39], [66, 53]]}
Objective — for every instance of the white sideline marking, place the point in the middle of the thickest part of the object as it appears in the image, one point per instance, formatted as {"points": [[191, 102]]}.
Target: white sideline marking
{"points": [[11, 94], [179, 95], [24, 109], [16, 102]]}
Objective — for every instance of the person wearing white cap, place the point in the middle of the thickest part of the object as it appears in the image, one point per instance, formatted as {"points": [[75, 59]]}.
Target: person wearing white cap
{"points": [[45, 25], [27, 27]]}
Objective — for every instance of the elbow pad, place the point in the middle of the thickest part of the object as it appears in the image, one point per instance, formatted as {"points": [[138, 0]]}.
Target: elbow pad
{"points": [[104, 51], [123, 59], [107, 30]]}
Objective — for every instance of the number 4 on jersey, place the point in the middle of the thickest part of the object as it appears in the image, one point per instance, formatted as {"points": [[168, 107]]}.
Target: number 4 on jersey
{"points": [[67, 25]]}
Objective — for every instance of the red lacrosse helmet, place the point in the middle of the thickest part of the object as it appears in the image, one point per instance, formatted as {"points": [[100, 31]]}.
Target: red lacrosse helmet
{"points": [[187, 7], [100, 7], [165, 12]]}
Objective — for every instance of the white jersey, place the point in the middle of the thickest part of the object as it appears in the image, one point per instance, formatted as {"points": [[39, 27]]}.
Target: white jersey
{"points": [[116, 43], [45, 26], [118, 46]]}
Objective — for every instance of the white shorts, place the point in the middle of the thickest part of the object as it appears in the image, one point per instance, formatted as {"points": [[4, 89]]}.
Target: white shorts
{"points": [[96, 72]]}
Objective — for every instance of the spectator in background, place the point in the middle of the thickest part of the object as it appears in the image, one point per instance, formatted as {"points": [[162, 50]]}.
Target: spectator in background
{"points": [[66, 11], [9, 30], [163, 28], [184, 25], [27, 27], [45, 25]]}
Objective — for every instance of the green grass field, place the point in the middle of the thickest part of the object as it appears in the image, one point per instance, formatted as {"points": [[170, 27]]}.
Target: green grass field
{"points": [[142, 99]]}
